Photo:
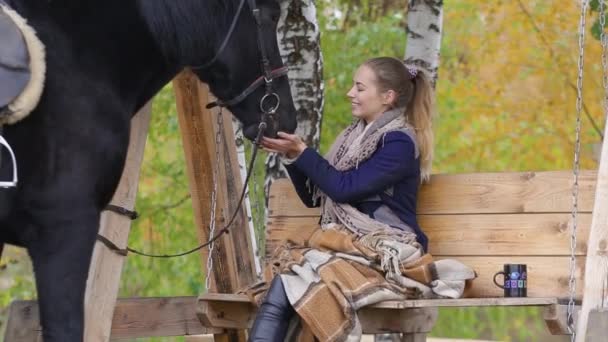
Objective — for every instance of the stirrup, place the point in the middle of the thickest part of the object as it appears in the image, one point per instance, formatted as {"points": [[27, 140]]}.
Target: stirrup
{"points": [[13, 183]]}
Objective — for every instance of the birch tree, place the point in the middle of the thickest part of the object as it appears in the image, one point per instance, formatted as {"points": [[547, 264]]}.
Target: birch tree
{"points": [[424, 26], [299, 37], [299, 41]]}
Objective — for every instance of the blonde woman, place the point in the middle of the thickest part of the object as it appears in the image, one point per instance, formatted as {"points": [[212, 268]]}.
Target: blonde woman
{"points": [[367, 189]]}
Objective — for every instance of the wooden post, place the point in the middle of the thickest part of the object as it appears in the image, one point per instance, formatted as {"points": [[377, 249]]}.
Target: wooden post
{"points": [[133, 318], [597, 326], [233, 259], [106, 265], [595, 295]]}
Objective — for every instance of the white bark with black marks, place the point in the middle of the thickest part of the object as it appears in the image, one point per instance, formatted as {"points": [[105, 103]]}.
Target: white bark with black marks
{"points": [[299, 38], [424, 27], [299, 41]]}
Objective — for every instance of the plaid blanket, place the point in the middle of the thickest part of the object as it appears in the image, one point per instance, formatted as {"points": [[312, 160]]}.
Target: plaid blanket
{"points": [[333, 273]]}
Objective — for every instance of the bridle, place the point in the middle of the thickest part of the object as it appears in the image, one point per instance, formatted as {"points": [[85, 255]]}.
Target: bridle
{"points": [[270, 102], [267, 108]]}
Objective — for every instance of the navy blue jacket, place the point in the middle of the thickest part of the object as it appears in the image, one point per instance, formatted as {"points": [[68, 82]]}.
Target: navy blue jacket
{"points": [[390, 176]]}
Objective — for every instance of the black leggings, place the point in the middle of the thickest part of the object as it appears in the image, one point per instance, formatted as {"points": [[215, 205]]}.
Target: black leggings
{"points": [[274, 315]]}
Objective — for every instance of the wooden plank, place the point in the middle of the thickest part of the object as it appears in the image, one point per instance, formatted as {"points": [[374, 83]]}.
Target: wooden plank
{"points": [[467, 302], [106, 266], [157, 317], [23, 323], [229, 298], [495, 234], [379, 321], [133, 318], [597, 325], [415, 337], [547, 276], [503, 234], [489, 193], [284, 201], [233, 259], [236, 311], [240, 234], [596, 277], [199, 338], [505, 192], [555, 317], [233, 311], [198, 137]]}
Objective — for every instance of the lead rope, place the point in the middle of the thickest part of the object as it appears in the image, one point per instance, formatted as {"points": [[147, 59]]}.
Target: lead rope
{"points": [[575, 170], [124, 251]]}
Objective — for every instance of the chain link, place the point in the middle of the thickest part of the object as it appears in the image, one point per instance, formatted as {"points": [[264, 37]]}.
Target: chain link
{"points": [[575, 168], [212, 220]]}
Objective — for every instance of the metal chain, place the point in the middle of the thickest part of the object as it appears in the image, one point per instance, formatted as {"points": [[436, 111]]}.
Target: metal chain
{"points": [[575, 168], [212, 220]]}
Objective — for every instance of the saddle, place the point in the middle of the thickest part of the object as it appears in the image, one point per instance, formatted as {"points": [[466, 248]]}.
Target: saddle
{"points": [[22, 67]]}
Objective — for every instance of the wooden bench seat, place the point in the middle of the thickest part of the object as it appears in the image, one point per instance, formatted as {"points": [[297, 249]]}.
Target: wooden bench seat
{"points": [[484, 220]]}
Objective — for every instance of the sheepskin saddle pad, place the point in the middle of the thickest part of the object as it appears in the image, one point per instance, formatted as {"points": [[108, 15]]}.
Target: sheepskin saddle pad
{"points": [[22, 66]]}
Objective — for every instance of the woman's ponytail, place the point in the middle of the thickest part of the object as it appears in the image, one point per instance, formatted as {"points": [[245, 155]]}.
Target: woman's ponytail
{"points": [[415, 94], [419, 113]]}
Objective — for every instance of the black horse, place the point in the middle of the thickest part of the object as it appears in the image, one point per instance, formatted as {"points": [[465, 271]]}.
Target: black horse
{"points": [[105, 59]]}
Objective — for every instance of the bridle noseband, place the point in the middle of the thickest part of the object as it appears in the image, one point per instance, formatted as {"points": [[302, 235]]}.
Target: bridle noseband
{"points": [[271, 101]]}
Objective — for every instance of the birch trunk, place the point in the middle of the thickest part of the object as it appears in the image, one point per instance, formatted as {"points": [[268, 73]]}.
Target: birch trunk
{"points": [[424, 26], [299, 38]]}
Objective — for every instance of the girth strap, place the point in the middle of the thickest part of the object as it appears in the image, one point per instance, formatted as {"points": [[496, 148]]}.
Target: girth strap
{"points": [[133, 215], [112, 246]]}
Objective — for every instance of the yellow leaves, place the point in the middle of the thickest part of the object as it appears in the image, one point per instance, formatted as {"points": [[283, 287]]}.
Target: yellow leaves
{"points": [[506, 91]]}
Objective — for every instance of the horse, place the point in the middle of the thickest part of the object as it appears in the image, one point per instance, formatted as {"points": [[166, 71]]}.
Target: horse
{"points": [[105, 60]]}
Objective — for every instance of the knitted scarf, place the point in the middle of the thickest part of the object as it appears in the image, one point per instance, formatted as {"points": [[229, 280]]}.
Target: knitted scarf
{"points": [[354, 145]]}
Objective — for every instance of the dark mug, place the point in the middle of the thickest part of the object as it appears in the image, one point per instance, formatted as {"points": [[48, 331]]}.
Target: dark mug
{"points": [[515, 280]]}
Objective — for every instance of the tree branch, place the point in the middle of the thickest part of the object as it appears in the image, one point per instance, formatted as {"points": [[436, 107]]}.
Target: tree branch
{"points": [[553, 56]]}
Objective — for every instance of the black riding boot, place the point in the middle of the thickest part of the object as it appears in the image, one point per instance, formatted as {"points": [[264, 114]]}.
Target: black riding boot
{"points": [[274, 315]]}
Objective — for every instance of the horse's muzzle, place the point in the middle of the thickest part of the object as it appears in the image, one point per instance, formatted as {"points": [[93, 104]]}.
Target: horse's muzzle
{"points": [[251, 132]]}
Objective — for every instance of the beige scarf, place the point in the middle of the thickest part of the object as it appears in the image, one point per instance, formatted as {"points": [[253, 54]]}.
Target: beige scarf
{"points": [[353, 146]]}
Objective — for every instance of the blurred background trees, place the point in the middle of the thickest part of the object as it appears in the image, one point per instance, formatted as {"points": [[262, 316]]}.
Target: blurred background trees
{"points": [[505, 98]]}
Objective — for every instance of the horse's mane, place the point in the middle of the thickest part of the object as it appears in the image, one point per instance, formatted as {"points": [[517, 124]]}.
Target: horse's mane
{"points": [[178, 25]]}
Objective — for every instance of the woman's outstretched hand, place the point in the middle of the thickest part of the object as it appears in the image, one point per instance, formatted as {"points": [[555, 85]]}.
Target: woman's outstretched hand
{"points": [[289, 145]]}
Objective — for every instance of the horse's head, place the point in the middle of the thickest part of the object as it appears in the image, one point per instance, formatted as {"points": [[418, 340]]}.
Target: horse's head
{"points": [[246, 72], [226, 43]]}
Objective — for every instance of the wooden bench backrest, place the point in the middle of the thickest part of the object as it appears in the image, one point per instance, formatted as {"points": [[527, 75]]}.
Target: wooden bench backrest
{"points": [[484, 220]]}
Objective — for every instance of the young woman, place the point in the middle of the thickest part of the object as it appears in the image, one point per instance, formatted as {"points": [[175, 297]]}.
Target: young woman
{"points": [[369, 180]]}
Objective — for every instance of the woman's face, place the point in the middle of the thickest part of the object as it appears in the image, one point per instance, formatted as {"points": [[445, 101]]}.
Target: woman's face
{"points": [[367, 102]]}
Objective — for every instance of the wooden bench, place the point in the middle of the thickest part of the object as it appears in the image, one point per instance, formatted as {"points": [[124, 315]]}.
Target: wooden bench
{"points": [[484, 220]]}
